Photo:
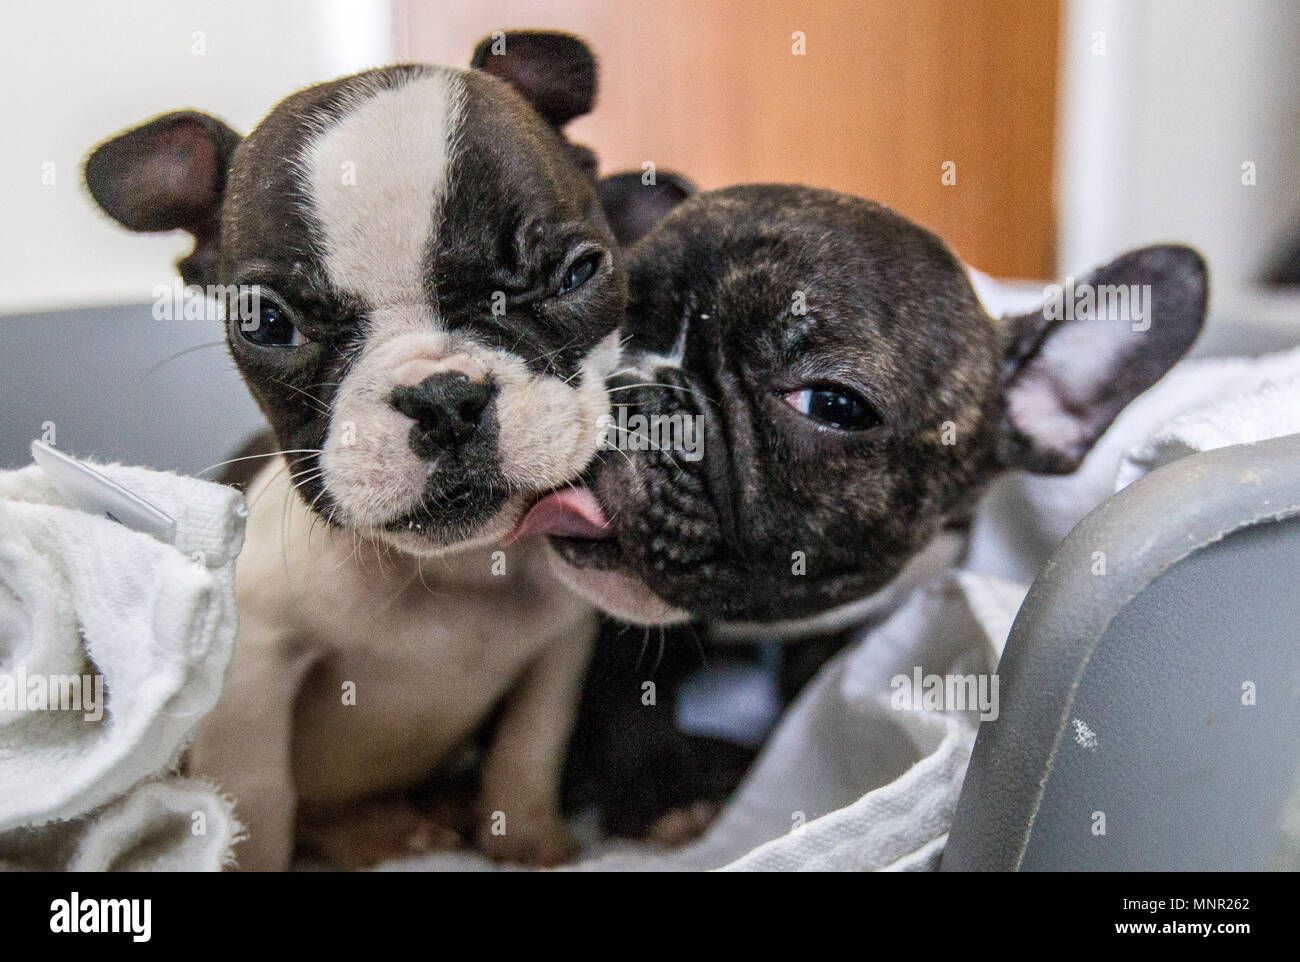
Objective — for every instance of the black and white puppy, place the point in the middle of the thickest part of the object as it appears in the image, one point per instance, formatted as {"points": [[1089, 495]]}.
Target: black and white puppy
{"points": [[428, 294], [855, 398]]}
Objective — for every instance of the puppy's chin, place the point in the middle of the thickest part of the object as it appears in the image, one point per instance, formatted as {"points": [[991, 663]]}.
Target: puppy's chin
{"points": [[427, 542], [615, 592]]}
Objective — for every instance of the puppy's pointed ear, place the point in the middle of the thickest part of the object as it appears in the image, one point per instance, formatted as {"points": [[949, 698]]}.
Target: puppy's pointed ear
{"points": [[1070, 367], [168, 174], [555, 72], [633, 206]]}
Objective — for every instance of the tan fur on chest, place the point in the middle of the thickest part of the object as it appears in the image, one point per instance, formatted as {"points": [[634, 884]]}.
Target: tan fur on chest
{"points": [[398, 660]]}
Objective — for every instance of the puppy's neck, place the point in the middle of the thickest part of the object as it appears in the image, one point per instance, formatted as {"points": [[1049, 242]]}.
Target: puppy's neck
{"points": [[942, 553]]}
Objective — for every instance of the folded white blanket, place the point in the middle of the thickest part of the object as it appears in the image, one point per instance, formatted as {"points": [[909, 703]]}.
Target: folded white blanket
{"points": [[862, 746], [113, 645], [1271, 410]]}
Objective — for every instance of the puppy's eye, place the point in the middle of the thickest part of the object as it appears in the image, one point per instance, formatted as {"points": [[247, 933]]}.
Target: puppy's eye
{"points": [[271, 325], [579, 272], [840, 407]]}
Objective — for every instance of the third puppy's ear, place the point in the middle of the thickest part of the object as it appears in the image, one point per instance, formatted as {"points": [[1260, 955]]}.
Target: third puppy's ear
{"points": [[555, 72], [168, 174], [633, 206], [1070, 367]]}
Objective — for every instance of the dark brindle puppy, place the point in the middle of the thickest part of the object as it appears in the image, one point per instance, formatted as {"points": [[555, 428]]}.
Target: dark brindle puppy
{"points": [[856, 398]]}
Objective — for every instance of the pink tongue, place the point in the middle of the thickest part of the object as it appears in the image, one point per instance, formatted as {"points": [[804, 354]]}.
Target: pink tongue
{"points": [[571, 513]]}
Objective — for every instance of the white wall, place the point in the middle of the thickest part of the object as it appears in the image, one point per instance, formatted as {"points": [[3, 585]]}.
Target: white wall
{"points": [[75, 71], [1154, 131]]}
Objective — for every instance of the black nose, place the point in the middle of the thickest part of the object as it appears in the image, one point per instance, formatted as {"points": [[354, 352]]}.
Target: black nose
{"points": [[446, 408]]}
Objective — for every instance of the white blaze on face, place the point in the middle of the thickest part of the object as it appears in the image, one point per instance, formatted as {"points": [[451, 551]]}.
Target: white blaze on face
{"points": [[377, 179], [376, 229]]}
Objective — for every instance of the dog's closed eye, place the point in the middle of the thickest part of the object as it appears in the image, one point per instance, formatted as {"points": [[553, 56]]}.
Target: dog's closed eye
{"points": [[833, 404], [580, 271]]}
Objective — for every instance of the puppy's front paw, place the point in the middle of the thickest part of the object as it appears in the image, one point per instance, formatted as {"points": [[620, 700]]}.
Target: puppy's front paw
{"points": [[681, 825], [377, 830], [541, 841]]}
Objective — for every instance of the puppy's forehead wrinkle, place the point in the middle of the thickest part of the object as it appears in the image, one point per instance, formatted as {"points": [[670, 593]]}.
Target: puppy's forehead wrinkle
{"points": [[376, 182], [798, 326]]}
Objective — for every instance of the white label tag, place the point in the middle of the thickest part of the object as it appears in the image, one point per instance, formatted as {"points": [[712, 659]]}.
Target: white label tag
{"points": [[87, 489]]}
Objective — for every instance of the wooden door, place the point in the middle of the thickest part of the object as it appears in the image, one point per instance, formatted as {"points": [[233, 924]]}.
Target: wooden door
{"points": [[883, 96]]}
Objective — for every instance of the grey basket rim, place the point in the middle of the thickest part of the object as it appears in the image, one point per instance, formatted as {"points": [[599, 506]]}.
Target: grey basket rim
{"points": [[1060, 624]]}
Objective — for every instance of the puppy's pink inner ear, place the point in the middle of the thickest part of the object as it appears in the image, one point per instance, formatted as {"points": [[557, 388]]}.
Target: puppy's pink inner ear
{"points": [[183, 175], [1040, 409], [1071, 376]]}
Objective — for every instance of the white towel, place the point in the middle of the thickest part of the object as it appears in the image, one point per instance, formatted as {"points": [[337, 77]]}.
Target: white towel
{"points": [[83, 596], [890, 773], [1271, 410], [170, 825]]}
